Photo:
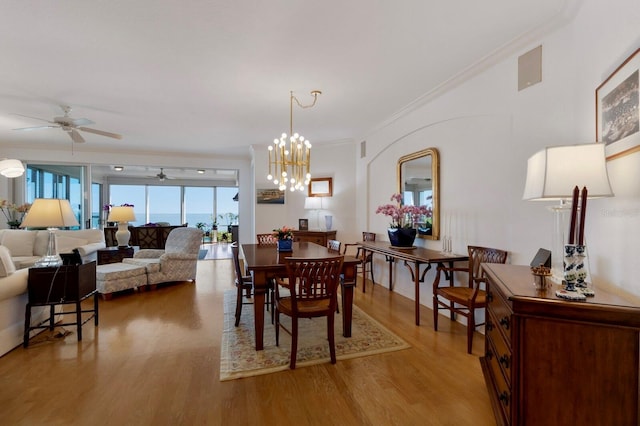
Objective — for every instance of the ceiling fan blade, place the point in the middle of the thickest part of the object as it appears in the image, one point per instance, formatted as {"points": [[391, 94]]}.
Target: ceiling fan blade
{"points": [[100, 132], [81, 121], [36, 128], [33, 118], [75, 136]]}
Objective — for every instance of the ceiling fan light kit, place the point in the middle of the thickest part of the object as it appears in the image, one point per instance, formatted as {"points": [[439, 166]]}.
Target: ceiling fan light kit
{"points": [[11, 168], [291, 165], [70, 125]]}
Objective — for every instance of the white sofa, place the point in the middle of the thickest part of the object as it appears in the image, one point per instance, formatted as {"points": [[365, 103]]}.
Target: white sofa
{"points": [[20, 249], [27, 247]]}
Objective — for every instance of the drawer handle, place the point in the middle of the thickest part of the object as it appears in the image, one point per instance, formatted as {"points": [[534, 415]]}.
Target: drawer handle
{"points": [[489, 354], [490, 297], [504, 398], [505, 322], [504, 360], [489, 326]]}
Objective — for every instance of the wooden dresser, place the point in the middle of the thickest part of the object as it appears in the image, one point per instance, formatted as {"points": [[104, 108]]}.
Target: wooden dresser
{"points": [[318, 237], [554, 362]]}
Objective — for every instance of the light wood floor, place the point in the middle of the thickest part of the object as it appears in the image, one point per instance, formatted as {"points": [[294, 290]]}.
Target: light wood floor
{"points": [[154, 360]]}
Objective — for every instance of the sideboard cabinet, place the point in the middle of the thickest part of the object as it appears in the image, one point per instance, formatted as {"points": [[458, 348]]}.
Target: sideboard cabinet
{"points": [[554, 362], [318, 237]]}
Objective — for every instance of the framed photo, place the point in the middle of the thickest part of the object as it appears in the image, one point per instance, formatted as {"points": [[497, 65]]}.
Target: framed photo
{"points": [[618, 109], [320, 187], [303, 224], [269, 196]]}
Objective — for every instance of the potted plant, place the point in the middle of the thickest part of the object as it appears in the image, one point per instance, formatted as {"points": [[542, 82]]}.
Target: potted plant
{"points": [[285, 238], [401, 231]]}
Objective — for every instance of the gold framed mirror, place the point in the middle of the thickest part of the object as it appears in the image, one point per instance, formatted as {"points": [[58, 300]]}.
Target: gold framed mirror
{"points": [[418, 182]]}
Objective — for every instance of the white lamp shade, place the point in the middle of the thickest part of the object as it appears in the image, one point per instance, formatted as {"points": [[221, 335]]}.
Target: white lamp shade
{"points": [[11, 168], [313, 203], [554, 172], [121, 214], [50, 213]]}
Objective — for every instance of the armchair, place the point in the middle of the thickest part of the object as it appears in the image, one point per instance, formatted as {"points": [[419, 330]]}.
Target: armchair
{"points": [[464, 300], [177, 262]]}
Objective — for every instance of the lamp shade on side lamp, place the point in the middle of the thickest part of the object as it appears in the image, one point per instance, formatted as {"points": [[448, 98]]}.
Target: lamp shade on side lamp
{"points": [[314, 204], [11, 168], [553, 173], [123, 215], [50, 213]]}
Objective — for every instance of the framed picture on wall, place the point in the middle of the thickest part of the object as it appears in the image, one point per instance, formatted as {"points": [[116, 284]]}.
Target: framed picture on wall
{"points": [[618, 109], [303, 224], [269, 196], [320, 187]]}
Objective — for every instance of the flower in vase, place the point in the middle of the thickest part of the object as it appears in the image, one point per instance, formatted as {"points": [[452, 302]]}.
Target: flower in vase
{"points": [[284, 233], [403, 216]]}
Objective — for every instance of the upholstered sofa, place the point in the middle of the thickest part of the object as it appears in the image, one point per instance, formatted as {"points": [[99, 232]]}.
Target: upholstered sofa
{"points": [[20, 249], [27, 247]]}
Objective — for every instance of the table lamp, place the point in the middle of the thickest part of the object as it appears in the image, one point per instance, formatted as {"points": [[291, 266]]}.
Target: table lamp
{"points": [[314, 204], [553, 173], [123, 215], [50, 213]]}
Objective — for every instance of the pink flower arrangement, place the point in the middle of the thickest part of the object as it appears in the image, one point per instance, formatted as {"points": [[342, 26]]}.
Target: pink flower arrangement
{"points": [[284, 233], [403, 216]]}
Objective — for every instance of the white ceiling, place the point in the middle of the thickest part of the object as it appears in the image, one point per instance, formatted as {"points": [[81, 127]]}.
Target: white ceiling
{"points": [[213, 77]]}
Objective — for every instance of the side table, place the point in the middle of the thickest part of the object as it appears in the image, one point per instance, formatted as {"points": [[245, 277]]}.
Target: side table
{"points": [[115, 254], [61, 285]]}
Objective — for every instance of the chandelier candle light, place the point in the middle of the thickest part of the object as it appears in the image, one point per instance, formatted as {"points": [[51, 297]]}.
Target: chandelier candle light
{"points": [[291, 165]]}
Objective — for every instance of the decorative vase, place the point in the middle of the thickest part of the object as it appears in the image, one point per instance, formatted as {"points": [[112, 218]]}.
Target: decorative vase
{"points": [[328, 222], [285, 245], [402, 237]]}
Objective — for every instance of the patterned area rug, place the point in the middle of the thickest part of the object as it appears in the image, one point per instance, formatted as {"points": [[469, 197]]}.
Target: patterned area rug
{"points": [[240, 359]]}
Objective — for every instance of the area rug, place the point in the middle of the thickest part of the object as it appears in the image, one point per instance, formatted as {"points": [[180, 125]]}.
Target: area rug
{"points": [[238, 357]]}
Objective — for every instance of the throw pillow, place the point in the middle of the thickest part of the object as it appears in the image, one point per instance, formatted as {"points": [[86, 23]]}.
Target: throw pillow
{"points": [[6, 264], [19, 242]]}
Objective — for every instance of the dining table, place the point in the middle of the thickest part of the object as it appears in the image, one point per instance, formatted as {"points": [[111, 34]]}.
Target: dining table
{"points": [[265, 262], [413, 258]]}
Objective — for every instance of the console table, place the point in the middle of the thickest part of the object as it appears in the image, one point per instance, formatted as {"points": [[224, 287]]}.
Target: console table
{"points": [[115, 254], [554, 362], [413, 258], [61, 285], [316, 237]]}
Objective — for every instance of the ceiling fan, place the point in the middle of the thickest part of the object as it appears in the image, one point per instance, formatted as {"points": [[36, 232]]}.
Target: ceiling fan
{"points": [[70, 125], [161, 176]]}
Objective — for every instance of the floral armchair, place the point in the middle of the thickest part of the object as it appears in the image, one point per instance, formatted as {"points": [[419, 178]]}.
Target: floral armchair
{"points": [[177, 262]]}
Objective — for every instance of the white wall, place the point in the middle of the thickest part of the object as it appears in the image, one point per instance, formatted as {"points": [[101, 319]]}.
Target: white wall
{"points": [[485, 130]]}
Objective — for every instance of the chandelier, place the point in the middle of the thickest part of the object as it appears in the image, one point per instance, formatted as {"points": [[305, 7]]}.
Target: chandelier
{"points": [[290, 156]]}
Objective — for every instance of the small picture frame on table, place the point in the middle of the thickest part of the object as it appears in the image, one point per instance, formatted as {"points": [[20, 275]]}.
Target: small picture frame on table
{"points": [[303, 224]]}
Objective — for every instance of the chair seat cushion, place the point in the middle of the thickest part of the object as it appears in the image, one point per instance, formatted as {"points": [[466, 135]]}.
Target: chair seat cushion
{"points": [[305, 308], [463, 295], [152, 265]]}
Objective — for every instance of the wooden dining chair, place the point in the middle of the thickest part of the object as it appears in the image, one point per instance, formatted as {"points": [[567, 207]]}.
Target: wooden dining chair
{"points": [[365, 261], [312, 293], [464, 300], [266, 239], [243, 283], [334, 246]]}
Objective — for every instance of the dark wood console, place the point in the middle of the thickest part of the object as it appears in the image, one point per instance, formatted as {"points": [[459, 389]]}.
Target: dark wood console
{"points": [[317, 237], [554, 362]]}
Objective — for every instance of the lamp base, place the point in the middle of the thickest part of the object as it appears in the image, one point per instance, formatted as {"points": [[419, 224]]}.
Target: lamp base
{"points": [[123, 234], [52, 258], [48, 261]]}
